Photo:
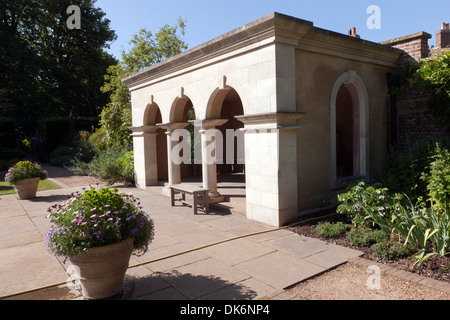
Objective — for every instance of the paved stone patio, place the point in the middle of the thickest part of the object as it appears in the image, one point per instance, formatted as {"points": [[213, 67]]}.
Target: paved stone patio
{"points": [[191, 257]]}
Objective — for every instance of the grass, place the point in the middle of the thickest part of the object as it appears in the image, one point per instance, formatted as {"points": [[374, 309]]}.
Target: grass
{"points": [[7, 188]]}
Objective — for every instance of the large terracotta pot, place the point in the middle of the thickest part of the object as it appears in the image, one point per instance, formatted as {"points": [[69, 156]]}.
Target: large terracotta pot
{"points": [[102, 269], [26, 189]]}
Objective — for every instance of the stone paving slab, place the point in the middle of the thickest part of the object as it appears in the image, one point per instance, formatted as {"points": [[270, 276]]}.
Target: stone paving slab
{"points": [[279, 270]]}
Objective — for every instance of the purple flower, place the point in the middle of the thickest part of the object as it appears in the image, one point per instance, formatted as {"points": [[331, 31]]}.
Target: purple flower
{"points": [[93, 209]]}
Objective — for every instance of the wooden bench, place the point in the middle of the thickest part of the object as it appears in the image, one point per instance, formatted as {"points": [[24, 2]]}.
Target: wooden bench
{"points": [[196, 192]]}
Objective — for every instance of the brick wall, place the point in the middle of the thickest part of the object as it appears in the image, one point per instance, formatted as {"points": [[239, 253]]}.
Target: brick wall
{"points": [[414, 121], [415, 46]]}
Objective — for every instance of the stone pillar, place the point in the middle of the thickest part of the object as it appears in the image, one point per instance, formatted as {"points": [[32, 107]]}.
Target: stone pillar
{"points": [[173, 169], [271, 167], [209, 140], [145, 156]]}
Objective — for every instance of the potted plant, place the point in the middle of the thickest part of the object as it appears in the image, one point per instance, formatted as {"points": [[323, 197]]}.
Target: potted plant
{"points": [[98, 231], [25, 176]]}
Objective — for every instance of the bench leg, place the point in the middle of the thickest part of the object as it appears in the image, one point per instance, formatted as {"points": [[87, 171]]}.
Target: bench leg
{"points": [[172, 197], [206, 201], [194, 203]]}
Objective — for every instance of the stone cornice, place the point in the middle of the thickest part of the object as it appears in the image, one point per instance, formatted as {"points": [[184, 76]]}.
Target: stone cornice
{"points": [[270, 29], [344, 46], [143, 130], [279, 119], [274, 27]]}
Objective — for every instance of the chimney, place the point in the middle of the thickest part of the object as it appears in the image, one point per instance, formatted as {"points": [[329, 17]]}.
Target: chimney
{"points": [[443, 36], [352, 33]]}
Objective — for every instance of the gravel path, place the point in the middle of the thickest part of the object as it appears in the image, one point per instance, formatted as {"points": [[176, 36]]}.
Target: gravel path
{"points": [[354, 281]]}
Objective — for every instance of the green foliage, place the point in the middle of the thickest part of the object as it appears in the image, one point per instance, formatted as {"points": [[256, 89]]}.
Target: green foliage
{"points": [[438, 179], [146, 50], [48, 69], [7, 137], [112, 165], [80, 151], [62, 131], [25, 170], [9, 157], [365, 238], [405, 169], [98, 218], [435, 73], [389, 250], [331, 230], [367, 205], [422, 228], [431, 76]]}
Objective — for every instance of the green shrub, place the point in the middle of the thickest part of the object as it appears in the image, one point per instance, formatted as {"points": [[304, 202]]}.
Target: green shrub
{"points": [[389, 250], [438, 179], [68, 156], [366, 205], [364, 238], [98, 141], [113, 165], [405, 170], [127, 163], [331, 230]]}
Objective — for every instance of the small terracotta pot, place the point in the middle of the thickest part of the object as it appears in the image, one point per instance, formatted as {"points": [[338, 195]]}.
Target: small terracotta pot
{"points": [[102, 269], [27, 189]]}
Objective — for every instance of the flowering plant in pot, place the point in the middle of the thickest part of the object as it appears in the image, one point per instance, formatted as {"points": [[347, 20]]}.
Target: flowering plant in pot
{"points": [[98, 231], [25, 176]]}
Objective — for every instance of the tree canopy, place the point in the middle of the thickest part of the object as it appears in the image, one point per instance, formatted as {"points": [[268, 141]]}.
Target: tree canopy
{"points": [[47, 69]]}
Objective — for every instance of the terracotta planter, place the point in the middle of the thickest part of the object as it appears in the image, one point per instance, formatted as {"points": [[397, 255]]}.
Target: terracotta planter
{"points": [[26, 189], [102, 269]]}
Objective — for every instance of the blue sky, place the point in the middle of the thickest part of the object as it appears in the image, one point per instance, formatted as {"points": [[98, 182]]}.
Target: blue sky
{"points": [[207, 19]]}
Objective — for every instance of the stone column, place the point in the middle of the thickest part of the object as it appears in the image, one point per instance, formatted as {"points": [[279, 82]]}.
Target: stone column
{"points": [[173, 169], [145, 156], [271, 167], [209, 152]]}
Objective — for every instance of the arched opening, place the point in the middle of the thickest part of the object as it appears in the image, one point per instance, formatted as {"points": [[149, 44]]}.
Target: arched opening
{"points": [[183, 112], [233, 139], [349, 130], [226, 104], [153, 117], [344, 133]]}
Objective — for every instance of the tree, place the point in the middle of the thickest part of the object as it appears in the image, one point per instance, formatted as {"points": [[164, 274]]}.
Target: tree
{"points": [[20, 63], [75, 60], [46, 69], [146, 51]]}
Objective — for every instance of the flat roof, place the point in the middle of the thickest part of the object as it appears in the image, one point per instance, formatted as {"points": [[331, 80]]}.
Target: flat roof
{"points": [[239, 34]]}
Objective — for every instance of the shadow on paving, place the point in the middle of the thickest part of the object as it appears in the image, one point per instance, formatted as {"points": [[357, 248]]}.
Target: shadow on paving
{"points": [[157, 286], [177, 286], [53, 199]]}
